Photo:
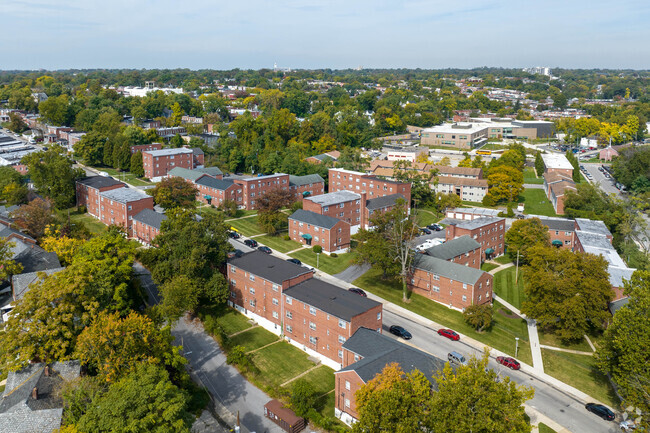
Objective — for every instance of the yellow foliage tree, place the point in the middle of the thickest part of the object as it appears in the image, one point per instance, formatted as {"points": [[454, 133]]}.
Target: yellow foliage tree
{"points": [[64, 246]]}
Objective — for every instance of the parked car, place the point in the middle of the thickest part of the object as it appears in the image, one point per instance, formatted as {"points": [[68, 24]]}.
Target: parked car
{"points": [[234, 254], [425, 230], [456, 358], [602, 411], [509, 362], [452, 335], [251, 243], [400, 332], [265, 249], [294, 261], [234, 235], [436, 227], [358, 291]]}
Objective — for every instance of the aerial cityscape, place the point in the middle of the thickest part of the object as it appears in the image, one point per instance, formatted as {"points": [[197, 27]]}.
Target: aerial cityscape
{"points": [[290, 218]]}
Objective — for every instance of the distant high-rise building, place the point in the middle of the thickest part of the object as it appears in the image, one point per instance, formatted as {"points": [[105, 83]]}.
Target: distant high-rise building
{"points": [[541, 70]]}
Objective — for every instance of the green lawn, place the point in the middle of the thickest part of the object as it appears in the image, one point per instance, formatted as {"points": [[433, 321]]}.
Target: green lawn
{"points": [[529, 176], [253, 338], [229, 319], [92, 224], [246, 226], [501, 335], [243, 212], [426, 217], [280, 362], [505, 287], [504, 260], [327, 264], [536, 203], [543, 428], [494, 146], [125, 176], [550, 339], [487, 267], [278, 243], [321, 378], [476, 204], [579, 371]]}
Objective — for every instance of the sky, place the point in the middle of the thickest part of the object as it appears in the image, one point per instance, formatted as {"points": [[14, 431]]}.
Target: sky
{"points": [[337, 34]]}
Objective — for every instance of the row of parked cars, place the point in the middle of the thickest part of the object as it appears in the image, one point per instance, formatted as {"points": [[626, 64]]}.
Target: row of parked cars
{"points": [[251, 243], [431, 228]]}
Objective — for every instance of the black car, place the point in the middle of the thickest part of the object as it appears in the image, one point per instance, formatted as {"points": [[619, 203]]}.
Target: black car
{"points": [[400, 332], [234, 235], [436, 227], [235, 254], [294, 261], [425, 230], [264, 249], [358, 291], [602, 411], [251, 243]]}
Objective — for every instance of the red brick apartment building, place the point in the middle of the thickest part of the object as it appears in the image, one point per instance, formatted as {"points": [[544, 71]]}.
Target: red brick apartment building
{"points": [[252, 188], [262, 287], [157, 163], [146, 225], [365, 355], [146, 147], [306, 186], [377, 205], [561, 232], [454, 285], [487, 231], [215, 191], [342, 205], [462, 251], [310, 228], [89, 189], [119, 206], [340, 179]]}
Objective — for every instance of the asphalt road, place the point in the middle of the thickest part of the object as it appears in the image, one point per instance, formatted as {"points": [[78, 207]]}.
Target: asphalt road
{"points": [[599, 178], [551, 402]]}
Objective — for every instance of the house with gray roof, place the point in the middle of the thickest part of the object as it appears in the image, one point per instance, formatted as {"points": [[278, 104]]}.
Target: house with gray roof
{"points": [[146, 225], [365, 355], [462, 250], [31, 402], [310, 229], [306, 186], [454, 285]]}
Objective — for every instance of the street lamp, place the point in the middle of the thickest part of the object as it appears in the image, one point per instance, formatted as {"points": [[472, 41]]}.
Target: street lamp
{"points": [[516, 346], [317, 257]]}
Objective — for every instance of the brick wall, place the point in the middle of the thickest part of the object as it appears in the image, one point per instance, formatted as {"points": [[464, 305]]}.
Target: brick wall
{"points": [[144, 232], [157, 166], [340, 180], [489, 236], [349, 211], [346, 384], [472, 259], [332, 240], [114, 212], [451, 292], [254, 188], [316, 188], [89, 197]]}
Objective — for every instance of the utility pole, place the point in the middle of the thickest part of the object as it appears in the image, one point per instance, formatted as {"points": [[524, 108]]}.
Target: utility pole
{"points": [[516, 346], [517, 269], [317, 257]]}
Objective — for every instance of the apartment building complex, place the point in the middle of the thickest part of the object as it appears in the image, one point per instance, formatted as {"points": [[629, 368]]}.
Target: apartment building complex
{"points": [[556, 184], [119, 206], [468, 189], [462, 250], [343, 205], [311, 314], [306, 186], [146, 147], [89, 189], [487, 231], [146, 225], [158, 163], [373, 187], [310, 229]]}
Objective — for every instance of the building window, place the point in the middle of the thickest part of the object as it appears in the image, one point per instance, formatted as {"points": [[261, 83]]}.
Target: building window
{"points": [[289, 315], [341, 339], [233, 294], [275, 301], [232, 282], [251, 302], [347, 385], [347, 402], [312, 326], [464, 286], [341, 354], [276, 287], [342, 323], [289, 300], [252, 290], [436, 289], [379, 316], [313, 340], [312, 311], [436, 277], [251, 277], [275, 314], [289, 329], [356, 358]]}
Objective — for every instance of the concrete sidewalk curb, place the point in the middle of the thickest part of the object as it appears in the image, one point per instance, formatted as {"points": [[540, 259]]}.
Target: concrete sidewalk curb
{"points": [[536, 417]]}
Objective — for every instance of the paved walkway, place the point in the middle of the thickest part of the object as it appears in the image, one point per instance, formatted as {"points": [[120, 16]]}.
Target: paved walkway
{"points": [[559, 349], [534, 185], [300, 375]]}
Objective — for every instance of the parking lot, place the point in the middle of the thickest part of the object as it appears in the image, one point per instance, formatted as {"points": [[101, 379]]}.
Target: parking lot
{"points": [[597, 176]]}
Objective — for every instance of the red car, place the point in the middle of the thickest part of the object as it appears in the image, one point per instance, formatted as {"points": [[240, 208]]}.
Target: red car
{"points": [[449, 334], [511, 363]]}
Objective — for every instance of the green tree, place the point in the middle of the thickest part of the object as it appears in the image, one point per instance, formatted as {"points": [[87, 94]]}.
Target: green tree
{"points": [[474, 399], [90, 149], [145, 400], [174, 192], [53, 175], [524, 234], [394, 401], [576, 165], [270, 218], [8, 267], [478, 316], [16, 124], [623, 353], [505, 184], [136, 164], [56, 110], [303, 397], [34, 217], [12, 187], [539, 164], [566, 292], [112, 346]]}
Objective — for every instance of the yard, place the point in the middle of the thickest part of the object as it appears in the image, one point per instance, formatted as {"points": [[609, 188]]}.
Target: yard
{"points": [[543, 428], [230, 320], [246, 226], [427, 216], [550, 339], [536, 203], [501, 335], [90, 222], [504, 260], [327, 264], [580, 372], [505, 287], [254, 338], [487, 267], [530, 177], [278, 243], [279, 363], [125, 176]]}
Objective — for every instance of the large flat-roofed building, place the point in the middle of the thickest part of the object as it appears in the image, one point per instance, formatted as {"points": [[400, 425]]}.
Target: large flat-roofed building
{"points": [[557, 163], [487, 231], [89, 189], [460, 135], [119, 206], [411, 154]]}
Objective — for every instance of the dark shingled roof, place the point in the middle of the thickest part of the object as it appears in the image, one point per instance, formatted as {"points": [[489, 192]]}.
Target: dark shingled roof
{"points": [[450, 270], [558, 224], [37, 259], [379, 350], [212, 171], [150, 218], [211, 182], [99, 181], [20, 283], [331, 299], [313, 218], [268, 267], [382, 202], [305, 180], [453, 248]]}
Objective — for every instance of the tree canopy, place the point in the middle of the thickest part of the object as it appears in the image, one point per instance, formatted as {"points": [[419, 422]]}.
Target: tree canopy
{"points": [[523, 234], [174, 192]]}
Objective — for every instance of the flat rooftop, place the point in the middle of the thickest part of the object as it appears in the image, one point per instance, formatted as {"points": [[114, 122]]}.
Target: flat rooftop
{"points": [[124, 195], [167, 152], [460, 128], [556, 161], [334, 198]]}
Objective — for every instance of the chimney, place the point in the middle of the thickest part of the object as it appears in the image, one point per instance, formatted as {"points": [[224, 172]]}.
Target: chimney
{"points": [[362, 211], [451, 231], [35, 393], [47, 371]]}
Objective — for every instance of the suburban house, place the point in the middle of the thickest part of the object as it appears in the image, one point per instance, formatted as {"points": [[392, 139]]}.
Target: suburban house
{"points": [[285, 299], [332, 155], [462, 250], [454, 285], [365, 354], [487, 231], [30, 401], [310, 228], [354, 181], [89, 190], [146, 225], [306, 186], [468, 189]]}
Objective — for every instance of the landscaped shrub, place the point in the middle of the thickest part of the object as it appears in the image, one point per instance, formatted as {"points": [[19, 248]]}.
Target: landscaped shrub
{"points": [[317, 249], [286, 237], [334, 255]]}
